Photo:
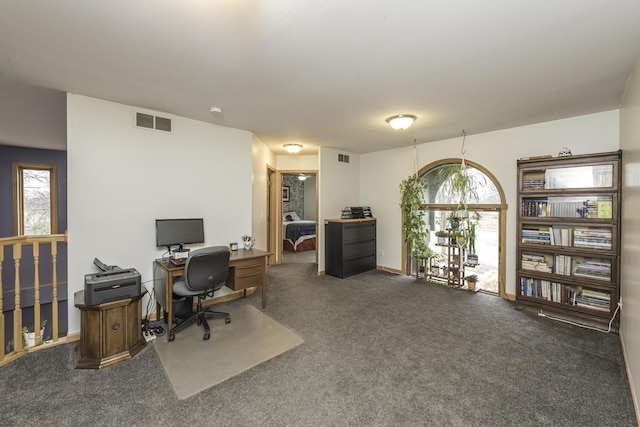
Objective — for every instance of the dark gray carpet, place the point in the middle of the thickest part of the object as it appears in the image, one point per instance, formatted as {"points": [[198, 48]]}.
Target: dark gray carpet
{"points": [[380, 349]]}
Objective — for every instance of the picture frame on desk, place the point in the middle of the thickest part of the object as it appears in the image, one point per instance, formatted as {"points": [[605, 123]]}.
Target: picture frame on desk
{"points": [[285, 193]]}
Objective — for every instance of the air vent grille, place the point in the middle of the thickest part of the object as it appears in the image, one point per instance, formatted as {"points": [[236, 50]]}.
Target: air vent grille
{"points": [[148, 121], [343, 158]]}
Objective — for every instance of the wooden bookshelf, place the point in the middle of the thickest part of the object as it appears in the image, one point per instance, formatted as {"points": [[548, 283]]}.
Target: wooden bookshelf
{"points": [[568, 238]]}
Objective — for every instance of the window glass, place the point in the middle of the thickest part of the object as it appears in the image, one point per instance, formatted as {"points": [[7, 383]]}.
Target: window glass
{"points": [[36, 191]]}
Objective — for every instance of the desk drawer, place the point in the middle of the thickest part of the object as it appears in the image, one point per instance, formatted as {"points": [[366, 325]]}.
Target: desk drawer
{"points": [[246, 274]]}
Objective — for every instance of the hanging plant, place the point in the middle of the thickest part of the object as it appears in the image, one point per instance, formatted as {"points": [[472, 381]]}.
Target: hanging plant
{"points": [[414, 226]]}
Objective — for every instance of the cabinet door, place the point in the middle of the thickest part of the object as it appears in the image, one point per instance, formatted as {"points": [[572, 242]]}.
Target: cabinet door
{"points": [[115, 330]]}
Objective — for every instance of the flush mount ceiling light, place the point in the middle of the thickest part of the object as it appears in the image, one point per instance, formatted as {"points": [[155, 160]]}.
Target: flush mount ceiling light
{"points": [[401, 121], [293, 148], [302, 177]]}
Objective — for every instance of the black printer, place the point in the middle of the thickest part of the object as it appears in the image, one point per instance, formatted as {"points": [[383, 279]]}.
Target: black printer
{"points": [[113, 283]]}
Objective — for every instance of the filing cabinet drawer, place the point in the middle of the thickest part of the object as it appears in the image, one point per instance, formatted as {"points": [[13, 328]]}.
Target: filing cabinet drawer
{"points": [[359, 230], [246, 274]]}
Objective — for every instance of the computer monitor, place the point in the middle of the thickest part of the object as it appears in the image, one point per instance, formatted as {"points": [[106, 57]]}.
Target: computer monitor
{"points": [[179, 231]]}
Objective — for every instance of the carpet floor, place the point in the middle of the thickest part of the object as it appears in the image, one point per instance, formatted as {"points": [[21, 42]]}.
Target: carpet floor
{"points": [[379, 350]]}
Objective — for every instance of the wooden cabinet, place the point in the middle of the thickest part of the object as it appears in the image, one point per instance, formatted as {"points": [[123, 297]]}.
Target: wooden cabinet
{"points": [[350, 246], [109, 332], [568, 250]]}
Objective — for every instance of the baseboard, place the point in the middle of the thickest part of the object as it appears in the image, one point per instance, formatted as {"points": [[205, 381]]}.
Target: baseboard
{"points": [[388, 270], [634, 397]]}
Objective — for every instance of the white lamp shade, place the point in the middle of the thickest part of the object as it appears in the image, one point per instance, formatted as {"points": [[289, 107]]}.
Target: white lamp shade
{"points": [[401, 121], [293, 148]]}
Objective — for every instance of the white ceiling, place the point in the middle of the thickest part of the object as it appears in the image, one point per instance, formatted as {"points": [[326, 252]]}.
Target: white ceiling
{"points": [[325, 72]]}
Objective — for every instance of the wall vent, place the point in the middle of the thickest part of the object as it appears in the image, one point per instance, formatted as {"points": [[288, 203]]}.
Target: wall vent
{"points": [[148, 121], [343, 158]]}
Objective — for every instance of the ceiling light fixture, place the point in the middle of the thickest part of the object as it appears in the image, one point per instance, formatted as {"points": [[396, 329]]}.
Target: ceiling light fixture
{"points": [[215, 110], [401, 121], [302, 177], [293, 148]]}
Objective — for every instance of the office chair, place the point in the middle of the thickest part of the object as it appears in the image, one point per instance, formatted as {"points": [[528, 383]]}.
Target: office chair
{"points": [[205, 272]]}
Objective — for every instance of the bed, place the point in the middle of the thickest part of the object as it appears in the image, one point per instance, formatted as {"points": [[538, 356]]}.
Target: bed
{"points": [[298, 235]]}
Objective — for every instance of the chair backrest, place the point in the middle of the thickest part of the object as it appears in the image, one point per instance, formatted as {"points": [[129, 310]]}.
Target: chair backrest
{"points": [[207, 268]]}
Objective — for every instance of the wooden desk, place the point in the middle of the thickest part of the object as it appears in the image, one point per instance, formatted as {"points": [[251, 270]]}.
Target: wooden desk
{"points": [[247, 269]]}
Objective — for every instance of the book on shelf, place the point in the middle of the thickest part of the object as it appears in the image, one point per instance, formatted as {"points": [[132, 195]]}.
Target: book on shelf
{"points": [[560, 236], [549, 291], [562, 265], [536, 262], [535, 208], [538, 157], [593, 269], [604, 209], [594, 299], [592, 238], [537, 235]]}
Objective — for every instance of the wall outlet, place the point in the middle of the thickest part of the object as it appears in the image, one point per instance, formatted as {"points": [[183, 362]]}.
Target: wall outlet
{"points": [[381, 252], [620, 303]]}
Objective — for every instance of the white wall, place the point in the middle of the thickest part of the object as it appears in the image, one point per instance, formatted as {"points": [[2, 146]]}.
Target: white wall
{"points": [[630, 290], [296, 162], [496, 151], [262, 157], [120, 179], [339, 187]]}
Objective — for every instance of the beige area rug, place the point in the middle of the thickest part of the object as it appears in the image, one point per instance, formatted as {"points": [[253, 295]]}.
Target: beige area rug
{"points": [[251, 338]]}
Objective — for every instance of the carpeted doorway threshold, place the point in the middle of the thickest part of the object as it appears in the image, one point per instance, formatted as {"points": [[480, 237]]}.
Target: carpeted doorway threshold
{"points": [[252, 337]]}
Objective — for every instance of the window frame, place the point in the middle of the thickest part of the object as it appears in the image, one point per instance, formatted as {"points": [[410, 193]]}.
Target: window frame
{"points": [[500, 207], [18, 169]]}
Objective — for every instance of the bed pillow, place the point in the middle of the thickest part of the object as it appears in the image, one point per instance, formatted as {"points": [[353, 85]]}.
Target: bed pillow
{"points": [[293, 214]]}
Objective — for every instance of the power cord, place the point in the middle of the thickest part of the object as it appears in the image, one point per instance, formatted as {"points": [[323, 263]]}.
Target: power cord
{"points": [[615, 313]]}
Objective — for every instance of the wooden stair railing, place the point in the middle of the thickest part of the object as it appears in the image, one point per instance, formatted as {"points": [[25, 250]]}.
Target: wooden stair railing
{"points": [[17, 243]]}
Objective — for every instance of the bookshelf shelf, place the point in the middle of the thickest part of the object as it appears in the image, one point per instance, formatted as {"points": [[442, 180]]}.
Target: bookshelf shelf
{"points": [[568, 249]]}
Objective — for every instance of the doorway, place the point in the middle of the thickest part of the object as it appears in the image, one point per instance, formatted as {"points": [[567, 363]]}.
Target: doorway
{"points": [[299, 217]]}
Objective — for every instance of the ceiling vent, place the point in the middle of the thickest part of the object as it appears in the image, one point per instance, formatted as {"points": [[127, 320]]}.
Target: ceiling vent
{"points": [[148, 121], [343, 158]]}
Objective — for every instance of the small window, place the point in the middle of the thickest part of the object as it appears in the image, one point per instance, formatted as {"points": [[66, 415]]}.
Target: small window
{"points": [[35, 199]]}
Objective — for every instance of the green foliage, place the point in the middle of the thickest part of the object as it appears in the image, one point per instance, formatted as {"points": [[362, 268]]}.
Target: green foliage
{"points": [[460, 183], [413, 225]]}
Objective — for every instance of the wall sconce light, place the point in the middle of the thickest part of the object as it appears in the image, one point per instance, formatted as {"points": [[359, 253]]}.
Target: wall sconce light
{"points": [[293, 148], [401, 121]]}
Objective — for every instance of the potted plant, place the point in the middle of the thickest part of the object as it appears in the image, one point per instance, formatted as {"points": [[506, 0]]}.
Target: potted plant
{"points": [[471, 279], [472, 257], [413, 223], [29, 335]]}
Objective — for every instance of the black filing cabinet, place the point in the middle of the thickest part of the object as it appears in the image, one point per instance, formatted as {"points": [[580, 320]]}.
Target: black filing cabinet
{"points": [[350, 246]]}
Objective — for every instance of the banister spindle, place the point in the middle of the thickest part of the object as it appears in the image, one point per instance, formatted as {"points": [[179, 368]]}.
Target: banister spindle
{"points": [[17, 310], [1, 303], [54, 297], [36, 292]]}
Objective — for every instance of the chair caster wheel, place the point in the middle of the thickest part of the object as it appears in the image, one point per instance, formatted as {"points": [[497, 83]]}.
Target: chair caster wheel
{"points": [[172, 337], [227, 320], [206, 336]]}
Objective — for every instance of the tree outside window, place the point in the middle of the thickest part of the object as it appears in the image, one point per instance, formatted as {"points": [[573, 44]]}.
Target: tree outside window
{"points": [[35, 201]]}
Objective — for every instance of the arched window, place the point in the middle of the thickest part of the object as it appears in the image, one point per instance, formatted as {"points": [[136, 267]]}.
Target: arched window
{"points": [[486, 203]]}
